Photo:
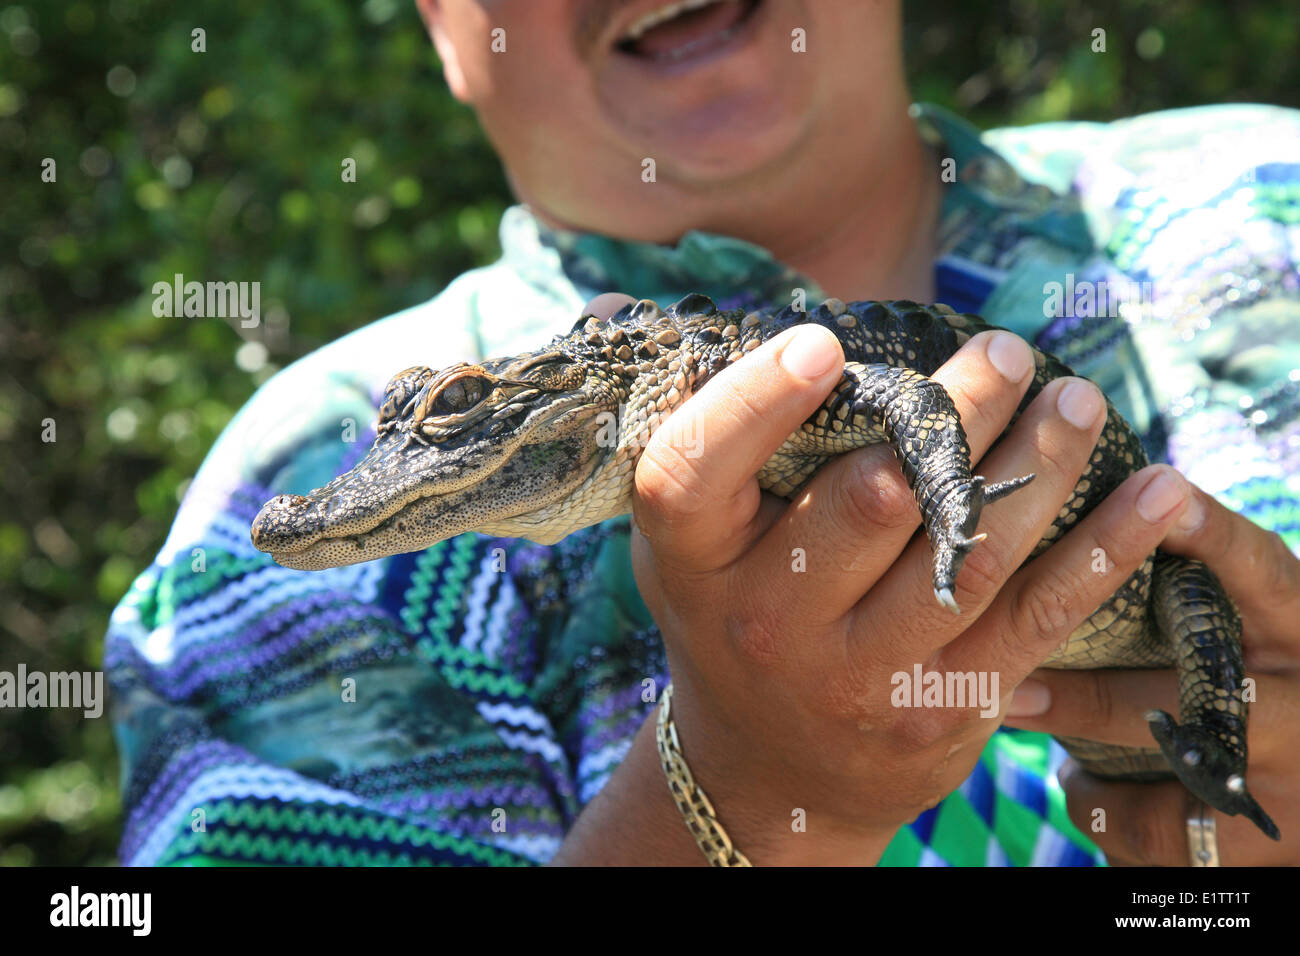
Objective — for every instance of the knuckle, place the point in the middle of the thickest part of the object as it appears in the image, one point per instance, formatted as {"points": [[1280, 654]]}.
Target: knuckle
{"points": [[756, 640], [967, 400], [842, 699], [918, 731], [1122, 545], [984, 571], [745, 411], [983, 415], [985, 399], [873, 496], [1065, 458], [668, 485], [1045, 608]]}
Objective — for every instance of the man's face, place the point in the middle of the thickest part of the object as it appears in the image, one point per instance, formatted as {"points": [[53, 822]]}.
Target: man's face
{"points": [[576, 95]]}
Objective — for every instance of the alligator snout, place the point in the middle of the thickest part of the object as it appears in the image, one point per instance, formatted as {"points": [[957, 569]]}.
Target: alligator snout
{"points": [[285, 523]]}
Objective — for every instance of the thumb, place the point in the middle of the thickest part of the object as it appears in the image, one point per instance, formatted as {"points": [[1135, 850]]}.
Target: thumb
{"points": [[696, 496]]}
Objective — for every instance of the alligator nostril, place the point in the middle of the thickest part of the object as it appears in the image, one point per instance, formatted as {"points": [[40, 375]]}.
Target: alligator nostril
{"points": [[286, 522]]}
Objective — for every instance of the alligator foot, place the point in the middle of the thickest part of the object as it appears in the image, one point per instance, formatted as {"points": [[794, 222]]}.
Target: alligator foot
{"points": [[1208, 769], [953, 536]]}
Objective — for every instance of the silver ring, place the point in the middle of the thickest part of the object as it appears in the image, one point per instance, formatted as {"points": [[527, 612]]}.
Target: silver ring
{"points": [[1202, 837]]}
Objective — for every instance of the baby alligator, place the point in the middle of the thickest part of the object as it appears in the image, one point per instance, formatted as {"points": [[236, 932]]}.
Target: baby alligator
{"points": [[542, 444]]}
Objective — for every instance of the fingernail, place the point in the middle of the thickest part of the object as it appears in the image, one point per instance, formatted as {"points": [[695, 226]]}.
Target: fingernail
{"points": [[1079, 404], [1193, 517], [1010, 355], [1162, 494], [809, 354], [1031, 698]]}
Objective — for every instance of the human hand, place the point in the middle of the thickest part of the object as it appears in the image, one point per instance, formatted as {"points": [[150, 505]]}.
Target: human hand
{"points": [[784, 678], [1146, 824]]}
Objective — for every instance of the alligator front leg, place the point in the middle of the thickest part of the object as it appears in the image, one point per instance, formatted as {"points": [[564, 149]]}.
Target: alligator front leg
{"points": [[918, 419], [1207, 750]]}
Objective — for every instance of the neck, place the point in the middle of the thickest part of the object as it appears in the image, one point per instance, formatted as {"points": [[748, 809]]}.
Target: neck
{"points": [[854, 206]]}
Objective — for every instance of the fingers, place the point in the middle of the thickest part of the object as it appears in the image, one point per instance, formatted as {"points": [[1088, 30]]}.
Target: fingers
{"points": [[1044, 603], [858, 513], [1105, 706], [1108, 707], [1053, 439], [607, 303], [1255, 566], [696, 497], [1145, 824]]}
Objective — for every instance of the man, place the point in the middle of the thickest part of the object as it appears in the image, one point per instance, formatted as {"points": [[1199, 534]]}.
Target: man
{"points": [[491, 700]]}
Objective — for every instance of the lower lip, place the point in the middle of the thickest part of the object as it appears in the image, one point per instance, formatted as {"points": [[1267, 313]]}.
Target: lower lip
{"points": [[710, 49]]}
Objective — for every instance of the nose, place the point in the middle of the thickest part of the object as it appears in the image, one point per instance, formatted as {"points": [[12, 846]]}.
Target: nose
{"points": [[281, 521]]}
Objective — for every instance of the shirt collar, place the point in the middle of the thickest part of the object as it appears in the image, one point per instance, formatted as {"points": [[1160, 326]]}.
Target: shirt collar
{"points": [[987, 194]]}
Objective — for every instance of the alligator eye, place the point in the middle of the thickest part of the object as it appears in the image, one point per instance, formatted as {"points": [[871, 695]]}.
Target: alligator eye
{"points": [[459, 395]]}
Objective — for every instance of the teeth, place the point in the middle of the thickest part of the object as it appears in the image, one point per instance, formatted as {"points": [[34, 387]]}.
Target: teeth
{"points": [[661, 15]]}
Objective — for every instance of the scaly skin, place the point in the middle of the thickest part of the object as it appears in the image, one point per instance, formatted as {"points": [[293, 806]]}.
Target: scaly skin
{"points": [[542, 444]]}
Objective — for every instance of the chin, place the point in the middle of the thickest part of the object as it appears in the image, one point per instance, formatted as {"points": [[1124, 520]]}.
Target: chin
{"points": [[730, 137], [726, 109]]}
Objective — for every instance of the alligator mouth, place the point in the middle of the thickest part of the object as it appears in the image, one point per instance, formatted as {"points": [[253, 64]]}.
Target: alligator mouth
{"points": [[292, 525], [395, 534], [312, 533]]}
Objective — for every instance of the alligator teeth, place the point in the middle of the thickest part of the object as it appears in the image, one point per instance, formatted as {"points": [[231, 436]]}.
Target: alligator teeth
{"points": [[642, 25]]}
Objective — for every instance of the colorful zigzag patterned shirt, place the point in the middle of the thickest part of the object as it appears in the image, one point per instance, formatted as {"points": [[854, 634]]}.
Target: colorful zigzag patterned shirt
{"points": [[397, 712]]}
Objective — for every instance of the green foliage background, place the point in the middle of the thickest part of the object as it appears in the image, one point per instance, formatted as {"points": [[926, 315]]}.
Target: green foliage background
{"points": [[226, 165]]}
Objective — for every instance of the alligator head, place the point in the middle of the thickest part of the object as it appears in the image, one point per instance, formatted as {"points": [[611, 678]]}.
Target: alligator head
{"points": [[536, 446]]}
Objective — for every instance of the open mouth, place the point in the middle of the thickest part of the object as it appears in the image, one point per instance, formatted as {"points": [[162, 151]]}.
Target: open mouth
{"points": [[686, 30]]}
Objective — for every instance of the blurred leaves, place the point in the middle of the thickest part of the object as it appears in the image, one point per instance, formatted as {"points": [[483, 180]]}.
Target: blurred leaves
{"points": [[1032, 61], [220, 166], [226, 166]]}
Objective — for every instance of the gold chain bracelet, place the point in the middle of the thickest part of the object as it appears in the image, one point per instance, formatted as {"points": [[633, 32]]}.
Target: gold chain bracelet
{"points": [[695, 807]]}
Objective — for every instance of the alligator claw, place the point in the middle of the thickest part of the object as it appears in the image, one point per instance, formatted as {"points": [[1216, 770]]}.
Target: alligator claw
{"points": [[1004, 488], [953, 533]]}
